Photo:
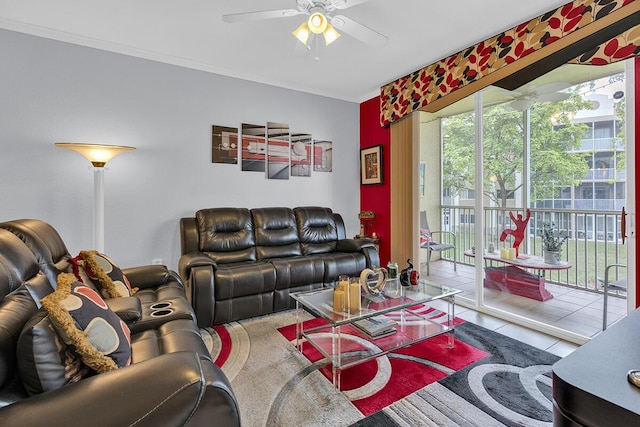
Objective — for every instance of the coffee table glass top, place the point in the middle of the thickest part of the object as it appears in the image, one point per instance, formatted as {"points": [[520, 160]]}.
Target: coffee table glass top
{"points": [[320, 302]]}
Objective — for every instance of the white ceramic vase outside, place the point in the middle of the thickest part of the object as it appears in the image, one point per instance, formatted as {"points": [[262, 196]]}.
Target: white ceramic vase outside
{"points": [[552, 257]]}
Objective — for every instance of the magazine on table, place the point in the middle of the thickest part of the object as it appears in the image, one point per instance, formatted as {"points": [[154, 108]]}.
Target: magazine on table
{"points": [[376, 325], [382, 334]]}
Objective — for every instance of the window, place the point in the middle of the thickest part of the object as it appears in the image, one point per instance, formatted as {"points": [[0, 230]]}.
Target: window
{"points": [[603, 129], [468, 194], [589, 132], [586, 192], [604, 191]]}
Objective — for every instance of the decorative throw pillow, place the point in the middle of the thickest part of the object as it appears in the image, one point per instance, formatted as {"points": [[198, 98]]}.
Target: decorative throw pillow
{"points": [[44, 361], [84, 321], [103, 273], [425, 237]]}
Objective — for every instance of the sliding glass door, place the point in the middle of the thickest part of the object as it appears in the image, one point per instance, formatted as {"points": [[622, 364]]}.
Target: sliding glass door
{"points": [[548, 158]]}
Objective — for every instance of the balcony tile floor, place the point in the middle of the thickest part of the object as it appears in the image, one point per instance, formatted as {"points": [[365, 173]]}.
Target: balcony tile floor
{"points": [[571, 309]]}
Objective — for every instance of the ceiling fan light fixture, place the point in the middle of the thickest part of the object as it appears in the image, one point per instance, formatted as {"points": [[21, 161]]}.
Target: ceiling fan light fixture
{"points": [[317, 23], [330, 35], [302, 33]]}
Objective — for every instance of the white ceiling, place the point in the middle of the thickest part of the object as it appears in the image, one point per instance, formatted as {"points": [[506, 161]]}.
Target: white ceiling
{"points": [[191, 33]]}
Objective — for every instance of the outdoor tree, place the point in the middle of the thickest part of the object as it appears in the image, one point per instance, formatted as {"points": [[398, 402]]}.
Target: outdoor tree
{"points": [[553, 137]]}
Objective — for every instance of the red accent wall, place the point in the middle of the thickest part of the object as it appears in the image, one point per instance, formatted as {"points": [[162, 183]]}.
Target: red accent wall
{"points": [[377, 198]]}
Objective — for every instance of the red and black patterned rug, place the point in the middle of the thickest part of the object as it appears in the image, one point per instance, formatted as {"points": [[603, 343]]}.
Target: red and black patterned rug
{"points": [[479, 380], [372, 385]]}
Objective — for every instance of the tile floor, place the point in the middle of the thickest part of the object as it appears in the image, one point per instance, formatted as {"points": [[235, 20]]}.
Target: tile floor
{"points": [[571, 309]]}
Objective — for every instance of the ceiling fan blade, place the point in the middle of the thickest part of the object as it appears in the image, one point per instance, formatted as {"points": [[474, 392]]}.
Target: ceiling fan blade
{"points": [[257, 16], [549, 87], [504, 93], [553, 97], [358, 31], [344, 4]]}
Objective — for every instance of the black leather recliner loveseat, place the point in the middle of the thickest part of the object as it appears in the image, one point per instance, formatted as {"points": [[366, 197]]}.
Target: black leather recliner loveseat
{"points": [[171, 380], [239, 263]]}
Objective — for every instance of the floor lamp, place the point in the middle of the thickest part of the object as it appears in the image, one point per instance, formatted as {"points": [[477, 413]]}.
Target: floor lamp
{"points": [[98, 155]]}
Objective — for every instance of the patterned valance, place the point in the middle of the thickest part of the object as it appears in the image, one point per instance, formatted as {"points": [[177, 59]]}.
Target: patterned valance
{"points": [[622, 47], [511, 51]]}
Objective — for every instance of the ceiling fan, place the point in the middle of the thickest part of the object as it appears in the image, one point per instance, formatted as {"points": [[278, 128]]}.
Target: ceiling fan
{"points": [[322, 20], [549, 92]]}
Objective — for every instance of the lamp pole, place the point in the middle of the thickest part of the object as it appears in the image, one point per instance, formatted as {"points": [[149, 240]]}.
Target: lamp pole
{"points": [[98, 209], [98, 155]]}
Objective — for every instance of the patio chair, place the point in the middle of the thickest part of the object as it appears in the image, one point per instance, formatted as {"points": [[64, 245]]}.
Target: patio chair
{"points": [[616, 285], [427, 241]]}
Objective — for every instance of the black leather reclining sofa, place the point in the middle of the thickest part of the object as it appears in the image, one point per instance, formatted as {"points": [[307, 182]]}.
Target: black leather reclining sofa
{"points": [[239, 263], [171, 380]]}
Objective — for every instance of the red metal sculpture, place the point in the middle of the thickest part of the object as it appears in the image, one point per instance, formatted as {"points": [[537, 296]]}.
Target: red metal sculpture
{"points": [[518, 233]]}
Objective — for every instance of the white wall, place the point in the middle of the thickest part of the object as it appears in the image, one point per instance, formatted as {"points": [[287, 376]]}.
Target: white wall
{"points": [[52, 91]]}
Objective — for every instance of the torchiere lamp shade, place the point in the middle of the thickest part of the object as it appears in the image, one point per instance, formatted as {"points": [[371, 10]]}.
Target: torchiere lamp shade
{"points": [[97, 154]]}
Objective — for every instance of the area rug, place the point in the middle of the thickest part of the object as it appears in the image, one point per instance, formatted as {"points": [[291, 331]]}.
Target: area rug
{"points": [[486, 379], [511, 387], [377, 383]]}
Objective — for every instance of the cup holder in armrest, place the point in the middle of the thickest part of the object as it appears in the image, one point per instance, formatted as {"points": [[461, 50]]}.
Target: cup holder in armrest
{"points": [[161, 313], [159, 305]]}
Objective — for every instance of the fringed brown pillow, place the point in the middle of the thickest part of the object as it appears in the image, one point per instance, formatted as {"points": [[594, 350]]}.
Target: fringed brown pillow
{"points": [[84, 322], [103, 273]]}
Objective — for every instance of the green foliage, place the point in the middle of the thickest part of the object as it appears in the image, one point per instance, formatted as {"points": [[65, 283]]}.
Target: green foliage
{"points": [[552, 239], [552, 138]]}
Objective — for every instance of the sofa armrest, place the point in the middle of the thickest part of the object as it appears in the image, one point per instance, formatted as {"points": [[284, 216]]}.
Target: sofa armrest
{"points": [[198, 271], [353, 245], [194, 259], [364, 246], [168, 390], [150, 276], [201, 293], [129, 309], [372, 256]]}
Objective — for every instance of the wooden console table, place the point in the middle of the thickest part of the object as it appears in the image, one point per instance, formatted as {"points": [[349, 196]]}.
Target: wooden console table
{"points": [[514, 277]]}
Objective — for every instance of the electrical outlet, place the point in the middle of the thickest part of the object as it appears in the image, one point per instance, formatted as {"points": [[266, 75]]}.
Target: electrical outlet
{"points": [[157, 261]]}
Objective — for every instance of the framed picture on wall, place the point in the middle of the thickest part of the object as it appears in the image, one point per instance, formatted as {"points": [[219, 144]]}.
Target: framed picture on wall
{"points": [[371, 165]]}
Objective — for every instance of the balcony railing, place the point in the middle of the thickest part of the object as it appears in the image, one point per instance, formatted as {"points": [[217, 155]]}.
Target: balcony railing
{"points": [[599, 204], [601, 144], [595, 239], [604, 174]]}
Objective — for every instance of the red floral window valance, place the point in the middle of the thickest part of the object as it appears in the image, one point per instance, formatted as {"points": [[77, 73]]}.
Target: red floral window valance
{"points": [[622, 47], [425, 86]]}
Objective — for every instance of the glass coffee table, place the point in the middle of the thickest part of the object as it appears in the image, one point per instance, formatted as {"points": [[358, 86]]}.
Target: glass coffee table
{"points": [[403, 304]]}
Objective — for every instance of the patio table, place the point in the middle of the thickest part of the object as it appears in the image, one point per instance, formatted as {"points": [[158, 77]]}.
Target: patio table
{"points": [[514, 277]]}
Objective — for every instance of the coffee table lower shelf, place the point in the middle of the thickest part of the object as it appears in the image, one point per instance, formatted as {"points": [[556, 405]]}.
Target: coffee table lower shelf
{"points": [[346, 346]]}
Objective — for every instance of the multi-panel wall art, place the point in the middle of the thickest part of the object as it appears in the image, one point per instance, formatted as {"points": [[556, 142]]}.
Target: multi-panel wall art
{"points": [[277, 151], [300, 154], [224, 148], [272, 149], [254, 147], [322, 156]]}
